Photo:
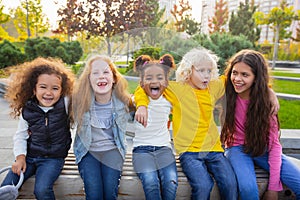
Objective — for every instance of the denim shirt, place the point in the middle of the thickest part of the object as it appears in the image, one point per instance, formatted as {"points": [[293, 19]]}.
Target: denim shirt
{"points": [[83, 138]]}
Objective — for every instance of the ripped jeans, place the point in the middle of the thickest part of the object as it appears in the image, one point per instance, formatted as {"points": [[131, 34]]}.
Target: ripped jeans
{"points": [[156, 168]]}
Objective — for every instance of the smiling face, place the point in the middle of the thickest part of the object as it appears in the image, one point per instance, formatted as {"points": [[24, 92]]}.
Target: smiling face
{"points": [[101, 79], [48, 89], [200, 76], [154, 81], [242, 79]]}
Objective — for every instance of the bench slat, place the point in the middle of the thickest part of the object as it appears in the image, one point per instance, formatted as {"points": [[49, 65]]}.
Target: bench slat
{"points": [[69, 185]]}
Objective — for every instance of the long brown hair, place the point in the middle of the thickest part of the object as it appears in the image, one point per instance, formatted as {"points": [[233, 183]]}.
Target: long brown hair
{"points": [[258, 114], [83, 92]]}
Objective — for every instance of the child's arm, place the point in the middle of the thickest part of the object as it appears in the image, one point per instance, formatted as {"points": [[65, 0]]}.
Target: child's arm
{"points": [[274, 101], [20, 146], [141, 100], [141, 115], [140, 97]]}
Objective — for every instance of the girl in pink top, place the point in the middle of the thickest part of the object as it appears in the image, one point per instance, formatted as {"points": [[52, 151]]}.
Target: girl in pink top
{"points": [[251, 131]]}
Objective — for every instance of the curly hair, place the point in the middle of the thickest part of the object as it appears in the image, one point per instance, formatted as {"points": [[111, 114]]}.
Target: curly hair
{"points": [[83, 92], [24, 78], [196, 57], [258, 115]]}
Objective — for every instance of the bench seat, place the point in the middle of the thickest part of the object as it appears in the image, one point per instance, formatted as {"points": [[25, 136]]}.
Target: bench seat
{"points": [[69, 185]]}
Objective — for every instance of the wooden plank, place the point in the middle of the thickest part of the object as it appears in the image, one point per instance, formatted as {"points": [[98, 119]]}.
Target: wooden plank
{"points": [[70, 185]]}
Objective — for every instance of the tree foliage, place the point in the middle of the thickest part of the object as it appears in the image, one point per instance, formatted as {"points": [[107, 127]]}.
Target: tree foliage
{"points": [[243, 22], [68, 22], [180, 13], [218, 22], [10, 55], [108, 18], [3, 17], [224, 45], [279, 18], [37, 21], [69, 52]]}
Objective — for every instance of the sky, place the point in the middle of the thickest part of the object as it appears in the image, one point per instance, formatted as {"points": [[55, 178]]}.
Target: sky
{"points": [[51, 6]]}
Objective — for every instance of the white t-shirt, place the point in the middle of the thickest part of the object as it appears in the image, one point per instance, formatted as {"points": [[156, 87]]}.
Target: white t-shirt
{"points": [[156, 133]]}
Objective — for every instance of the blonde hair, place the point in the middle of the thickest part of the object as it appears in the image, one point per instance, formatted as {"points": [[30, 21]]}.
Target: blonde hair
{"points": [[196, 57], [83, 92], [24, 78]]}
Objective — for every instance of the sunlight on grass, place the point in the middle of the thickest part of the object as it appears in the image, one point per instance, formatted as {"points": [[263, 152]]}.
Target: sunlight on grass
{"points": [[289, 116], [132, 86], [288, 74], [284, 86]]}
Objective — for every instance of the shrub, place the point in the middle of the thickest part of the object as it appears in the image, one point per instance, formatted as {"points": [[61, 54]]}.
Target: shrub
{"points": [[10, 54], [69, 52]]}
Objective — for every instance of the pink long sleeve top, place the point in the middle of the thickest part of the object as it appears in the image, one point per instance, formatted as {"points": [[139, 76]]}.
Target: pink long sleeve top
{"points": [[274, 147]]}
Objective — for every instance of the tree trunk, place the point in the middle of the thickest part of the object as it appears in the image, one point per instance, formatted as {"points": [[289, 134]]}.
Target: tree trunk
{"points": [[108, 46], [276, 44]]}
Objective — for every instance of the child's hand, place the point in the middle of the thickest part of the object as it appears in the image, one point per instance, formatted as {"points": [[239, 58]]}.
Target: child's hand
{"points": [[141, 115], [270, 195], [19, 165]]}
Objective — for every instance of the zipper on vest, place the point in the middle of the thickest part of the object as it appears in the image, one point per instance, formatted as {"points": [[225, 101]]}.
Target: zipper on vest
{"points": [[46, 121]]}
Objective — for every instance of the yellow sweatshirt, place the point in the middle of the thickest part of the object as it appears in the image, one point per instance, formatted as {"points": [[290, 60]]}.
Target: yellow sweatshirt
{"points": [[194, 128]]}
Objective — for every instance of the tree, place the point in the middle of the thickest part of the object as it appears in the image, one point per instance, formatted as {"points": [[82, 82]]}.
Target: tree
{"points": [[224, 45], [151, 17], [280, 18], [3, 19], [218, 21], [243, 22], [68, 22], [191, 26], [37, 21], [180, 13]]}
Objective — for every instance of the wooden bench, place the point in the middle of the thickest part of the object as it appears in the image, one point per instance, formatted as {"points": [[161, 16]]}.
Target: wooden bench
{"points": [[70, 186]]}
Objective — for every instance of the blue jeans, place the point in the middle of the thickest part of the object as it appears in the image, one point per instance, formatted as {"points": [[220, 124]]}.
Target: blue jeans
{"points": [[100, 181], [156, 167], [46, 171], [243, 165], [201, 167]]}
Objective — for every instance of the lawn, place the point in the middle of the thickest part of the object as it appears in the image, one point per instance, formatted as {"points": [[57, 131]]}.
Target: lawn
{"points": [[288, 74], [289, 116], [284, 86], [132, 86]]}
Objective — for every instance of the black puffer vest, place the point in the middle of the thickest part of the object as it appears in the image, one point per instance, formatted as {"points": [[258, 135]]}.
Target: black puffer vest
{"points": [[49, 133]]}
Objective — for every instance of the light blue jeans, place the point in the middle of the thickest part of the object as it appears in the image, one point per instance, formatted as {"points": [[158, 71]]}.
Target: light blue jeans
{"points": [[46, 171], [101, 181], [201, 167], [156, 167], [243, 165]]}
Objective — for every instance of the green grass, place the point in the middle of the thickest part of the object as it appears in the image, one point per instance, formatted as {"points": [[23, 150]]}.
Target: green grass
{"points": [[284, 86], [289, 114], [132, 86], [288, 74], [122, 70]]}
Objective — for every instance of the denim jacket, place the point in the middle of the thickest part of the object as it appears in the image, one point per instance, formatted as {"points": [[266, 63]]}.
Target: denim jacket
{"points": [[83, 138]]}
